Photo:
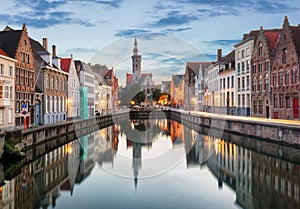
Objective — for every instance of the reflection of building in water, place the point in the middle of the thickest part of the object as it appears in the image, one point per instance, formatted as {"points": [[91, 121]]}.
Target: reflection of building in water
{"points": [[7, 196], [177, 132], [165, 126], [198, 148], [106, 142], [73, 150], [139, 133], [275, 182], [244, 178], [223, 163], [87, 155]]}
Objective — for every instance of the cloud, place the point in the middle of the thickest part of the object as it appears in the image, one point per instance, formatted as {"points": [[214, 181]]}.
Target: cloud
{"points": [[131, 32], [223, 42], [173, 18], [45, 13], [80, 50], [169, 30]]}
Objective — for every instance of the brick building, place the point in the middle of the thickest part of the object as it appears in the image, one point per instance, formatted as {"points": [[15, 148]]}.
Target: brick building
{"points": [[51, 85], [262, 58], [285, 73], [16, 44]]}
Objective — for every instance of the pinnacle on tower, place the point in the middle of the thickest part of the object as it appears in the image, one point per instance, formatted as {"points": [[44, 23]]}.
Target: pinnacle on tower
{"points": [[135, 49]]}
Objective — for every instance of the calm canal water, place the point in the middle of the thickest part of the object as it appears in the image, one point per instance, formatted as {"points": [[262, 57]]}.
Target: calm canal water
{"points": [[157, 164]]}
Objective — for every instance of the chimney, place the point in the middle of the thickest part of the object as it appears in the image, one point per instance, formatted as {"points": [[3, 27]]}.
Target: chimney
{"points": [[45, 43], [219, 55], [53, 50]]}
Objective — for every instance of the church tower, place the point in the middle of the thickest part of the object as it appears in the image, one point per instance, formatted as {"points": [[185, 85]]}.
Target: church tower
{"points": [[136, 64]]}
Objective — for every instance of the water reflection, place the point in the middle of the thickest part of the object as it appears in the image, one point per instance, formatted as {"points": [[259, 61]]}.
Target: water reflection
{"points": [[141, 149]]}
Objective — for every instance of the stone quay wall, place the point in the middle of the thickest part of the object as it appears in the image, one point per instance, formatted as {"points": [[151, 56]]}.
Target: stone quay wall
{"points": [[21, 139], [279, 131]]}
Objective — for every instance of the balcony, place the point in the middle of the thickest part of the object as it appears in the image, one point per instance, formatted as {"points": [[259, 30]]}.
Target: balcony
{"points": [[4, 102]]}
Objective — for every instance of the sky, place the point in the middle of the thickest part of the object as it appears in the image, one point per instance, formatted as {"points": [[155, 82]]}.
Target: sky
{"points": [[169, 32]]}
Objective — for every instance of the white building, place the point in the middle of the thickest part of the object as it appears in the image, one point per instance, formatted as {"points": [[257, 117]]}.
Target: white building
{"points": [[87, 79], [201, 70], [212, 92], [7, 91], [103, 96], [243, 79], [73, 102]]}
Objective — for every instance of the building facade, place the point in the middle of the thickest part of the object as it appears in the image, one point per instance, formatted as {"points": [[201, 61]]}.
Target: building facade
{"points": [[243, 52], [285, 73], [7, 91], [51, 83], [16, 44], [87, 79], [262, 58], [177, 91], [73, 101]]}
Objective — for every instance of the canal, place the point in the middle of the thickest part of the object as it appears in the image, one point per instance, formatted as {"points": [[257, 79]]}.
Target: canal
{"points": [[154, 164]]}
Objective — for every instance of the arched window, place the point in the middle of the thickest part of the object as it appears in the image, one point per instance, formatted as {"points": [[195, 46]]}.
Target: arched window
{"points": [[284, 51]]}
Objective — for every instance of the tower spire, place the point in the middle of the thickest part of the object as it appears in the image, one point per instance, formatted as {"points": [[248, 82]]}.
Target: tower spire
{"points": [[135, 49]]}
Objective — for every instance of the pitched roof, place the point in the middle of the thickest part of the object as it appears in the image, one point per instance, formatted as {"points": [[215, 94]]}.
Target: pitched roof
{"points": [[177, 79], [9, 41], [195, 66], [65, 64], [229, 57], [272, 37], [2, 52], [296, 37], [128, 78]]}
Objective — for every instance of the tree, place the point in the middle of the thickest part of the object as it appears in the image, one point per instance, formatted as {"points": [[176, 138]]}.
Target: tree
{"points": [[130, 92], [156, 94]]}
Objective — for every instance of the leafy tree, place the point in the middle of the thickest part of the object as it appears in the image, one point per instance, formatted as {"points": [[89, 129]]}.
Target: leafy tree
{"points": [[156, 94], [130, 92]]}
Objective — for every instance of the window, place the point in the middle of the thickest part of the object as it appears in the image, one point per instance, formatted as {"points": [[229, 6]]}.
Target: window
{"points": [[284, 55], [10, 116], [248, 66], [239, 55], [260, 50], [260, 85], [287, 77], [296, 192], [243, 83], [260, 108], [232, 81], [254, 86], [254, 106], [243, 99], [243, 67], [52, 82], [254, 69], [275, 101], [294, 76], [288, 102], [243, 53], [47, 81], [11, 71], [1, 69], [248, 82], [281, 100], [274, 79], [280, 78], [238, 68], [239, 83], [232, 98], [266, 83], [259, 68], [228, 82], [267, 66], [6, 92]]}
